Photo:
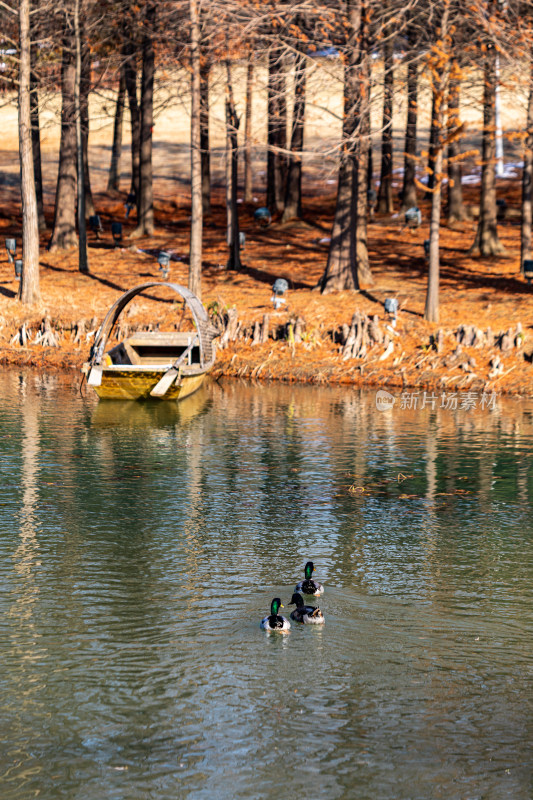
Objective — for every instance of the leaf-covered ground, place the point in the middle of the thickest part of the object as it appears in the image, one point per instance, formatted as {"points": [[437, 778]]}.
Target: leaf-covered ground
{"points": [[487, 293]]}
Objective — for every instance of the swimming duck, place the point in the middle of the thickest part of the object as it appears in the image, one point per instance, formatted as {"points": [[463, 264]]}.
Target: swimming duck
{"points": [[309, 615], [309, 586], [275, 622]]}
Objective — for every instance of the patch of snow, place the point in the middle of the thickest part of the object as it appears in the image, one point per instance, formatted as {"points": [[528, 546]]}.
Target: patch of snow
{"points": [[470, 180]]}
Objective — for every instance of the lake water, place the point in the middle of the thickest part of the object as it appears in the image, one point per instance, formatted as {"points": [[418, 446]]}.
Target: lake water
{"points": [[140, 545]]}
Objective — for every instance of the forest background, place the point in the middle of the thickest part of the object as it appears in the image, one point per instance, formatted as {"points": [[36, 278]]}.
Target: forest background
{"points": [[343, 119]]}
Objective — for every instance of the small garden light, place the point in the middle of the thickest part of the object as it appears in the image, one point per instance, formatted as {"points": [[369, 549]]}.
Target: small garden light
{"points": [[11, 247], [527, 269], [163, 259], [96, 225], [242, 240], [426, 248], [391, 307], [413, 217], [116, 232], [18, 268], [263, 217], [278, 290], [130, 203], [501, 209]]}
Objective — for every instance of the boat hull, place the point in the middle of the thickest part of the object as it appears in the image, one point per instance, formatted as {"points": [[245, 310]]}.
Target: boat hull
{"points": [[130, 384]]}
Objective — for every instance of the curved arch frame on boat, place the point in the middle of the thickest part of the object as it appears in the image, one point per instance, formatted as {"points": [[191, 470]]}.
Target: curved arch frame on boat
{"points": [[152, 364]]}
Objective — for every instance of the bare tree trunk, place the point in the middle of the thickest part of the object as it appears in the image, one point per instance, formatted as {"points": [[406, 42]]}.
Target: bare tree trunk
{"points": [[385, 199], [232, 123], [341, 269], [145, 202], [64, 228], [228, 165], [456, 210], [487, 242], [36, 134], [195, 252], [282, 163], [36, 148], [83, 264], [276, 133], [440, 70], [370, 167], [113, 181], [432, 151], [527, 178], [248, 174], [364, 274], [273, 55], [431, 311], [130, 68], [85, 86], [293, 196], [409, 196], [205, 69], [29, 282]]}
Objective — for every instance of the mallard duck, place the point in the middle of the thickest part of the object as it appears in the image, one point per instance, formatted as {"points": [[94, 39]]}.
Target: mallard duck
{"points": [[309, 615], [309, 586], [275, 622]]}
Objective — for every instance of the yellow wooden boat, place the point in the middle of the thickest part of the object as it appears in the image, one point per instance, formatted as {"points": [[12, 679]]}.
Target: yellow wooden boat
{"points": [[126, 415], [164, 366]]}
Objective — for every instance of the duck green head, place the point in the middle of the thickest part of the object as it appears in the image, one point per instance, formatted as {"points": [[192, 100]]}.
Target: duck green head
{"points": [[275, 605], [297, 600], [309, 569]]}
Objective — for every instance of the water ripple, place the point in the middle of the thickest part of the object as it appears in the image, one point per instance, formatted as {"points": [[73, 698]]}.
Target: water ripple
{"points": [[138, 555]]}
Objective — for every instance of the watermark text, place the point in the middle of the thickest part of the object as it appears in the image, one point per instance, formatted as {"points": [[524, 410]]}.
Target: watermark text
{"points": [[450, 401]]}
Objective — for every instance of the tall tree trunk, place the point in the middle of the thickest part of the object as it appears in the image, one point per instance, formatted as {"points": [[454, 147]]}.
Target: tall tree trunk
{"points": [[456, 210], [248, 175], [527, 178], [370, 167], [113, 181], [29, 282], [195, 251], [341, 269], [385, 199], [409, 197], [36, 132], [293, 196], [145, 204], [364, 150], [440, 70], [432, 150], [36, 149], [276, 133], [431, 311], [228, 163], [283, 160], [487, 242], [64, 228], [85, 87], [232, 124], [130, 68], [83, 263], [205, 69]]}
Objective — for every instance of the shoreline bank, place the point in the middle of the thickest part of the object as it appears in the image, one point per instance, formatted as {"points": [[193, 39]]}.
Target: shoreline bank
{"points": [[483, 343], [413, 366]]}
